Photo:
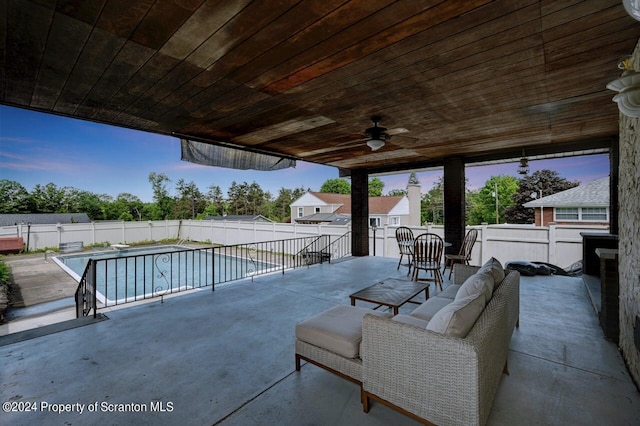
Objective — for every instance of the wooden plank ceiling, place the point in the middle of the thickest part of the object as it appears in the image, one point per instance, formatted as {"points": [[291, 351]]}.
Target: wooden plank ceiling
{"points": [[301, 78]]}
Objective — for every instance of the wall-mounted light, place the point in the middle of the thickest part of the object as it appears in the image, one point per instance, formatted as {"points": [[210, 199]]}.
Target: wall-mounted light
{"points": [[628, 88], [633, 8]]}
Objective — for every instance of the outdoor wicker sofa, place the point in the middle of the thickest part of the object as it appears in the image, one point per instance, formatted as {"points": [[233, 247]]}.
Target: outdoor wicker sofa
{"points": [[435, 377], [430, 376]]}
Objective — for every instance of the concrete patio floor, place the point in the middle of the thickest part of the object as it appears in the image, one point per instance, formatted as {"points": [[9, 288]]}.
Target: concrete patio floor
{"points": [[227, 357]]}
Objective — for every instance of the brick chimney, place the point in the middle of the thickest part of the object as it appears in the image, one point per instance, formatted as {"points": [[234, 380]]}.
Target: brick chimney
{"points": [[414, 196]]}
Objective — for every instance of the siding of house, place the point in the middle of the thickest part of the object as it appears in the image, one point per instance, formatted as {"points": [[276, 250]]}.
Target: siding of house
{"points": [[549, 217]]}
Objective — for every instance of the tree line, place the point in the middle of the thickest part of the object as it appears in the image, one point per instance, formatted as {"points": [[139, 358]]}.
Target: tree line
{"points": [[189, 202]]}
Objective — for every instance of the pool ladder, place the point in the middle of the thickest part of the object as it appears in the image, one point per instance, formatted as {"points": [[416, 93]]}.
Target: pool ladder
{"points": [[46, 255]]}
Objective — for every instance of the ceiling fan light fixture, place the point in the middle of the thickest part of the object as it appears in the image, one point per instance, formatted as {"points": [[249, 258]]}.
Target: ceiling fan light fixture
{"points": [[375, 144]]}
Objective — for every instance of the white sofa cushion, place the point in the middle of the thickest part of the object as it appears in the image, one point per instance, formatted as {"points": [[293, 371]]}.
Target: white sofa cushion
{"points": [[449, 292], [408, 319], [457, 318], [428, 309], [480, 282], [338, 329], [496, 269]]}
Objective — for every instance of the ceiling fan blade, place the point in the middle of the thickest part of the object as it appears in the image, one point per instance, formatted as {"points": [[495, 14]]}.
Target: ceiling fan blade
{"points": [[397, 131], [353, 142]]}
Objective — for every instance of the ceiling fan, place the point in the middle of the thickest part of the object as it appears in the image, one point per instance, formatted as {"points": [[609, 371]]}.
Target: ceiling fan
{"points": [[377, 136]]}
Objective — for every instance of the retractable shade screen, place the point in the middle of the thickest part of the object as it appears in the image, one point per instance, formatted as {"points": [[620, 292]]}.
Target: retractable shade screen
{"points": [[221, 156]]}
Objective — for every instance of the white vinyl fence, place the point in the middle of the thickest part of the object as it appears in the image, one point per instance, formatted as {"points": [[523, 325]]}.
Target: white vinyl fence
{"points": [[560, 245], [557, 244]]}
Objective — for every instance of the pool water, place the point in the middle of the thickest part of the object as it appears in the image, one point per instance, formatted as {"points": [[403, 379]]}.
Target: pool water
{"points": [[133, 274]]}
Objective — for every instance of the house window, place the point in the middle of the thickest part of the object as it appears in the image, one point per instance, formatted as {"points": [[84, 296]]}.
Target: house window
{"points": [[374, 222], [300, 211], [582, 214], [395, 220], [594, 213], [567, 213], [317, 209]]}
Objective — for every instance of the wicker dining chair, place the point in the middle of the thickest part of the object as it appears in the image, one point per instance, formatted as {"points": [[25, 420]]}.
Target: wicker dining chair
{"points": [[405, 238], [465, 252], [427, 254]]}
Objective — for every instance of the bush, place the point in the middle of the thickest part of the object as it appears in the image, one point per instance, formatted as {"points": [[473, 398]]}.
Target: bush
{"points": [[4, 273], [5, 277]]}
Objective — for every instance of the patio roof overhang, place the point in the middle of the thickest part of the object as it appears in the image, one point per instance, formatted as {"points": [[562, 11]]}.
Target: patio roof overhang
{"points": [[476, 80]]}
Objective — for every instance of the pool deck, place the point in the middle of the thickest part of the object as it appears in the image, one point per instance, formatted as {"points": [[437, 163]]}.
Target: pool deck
{"points": [[227, 357], [39, 281]]}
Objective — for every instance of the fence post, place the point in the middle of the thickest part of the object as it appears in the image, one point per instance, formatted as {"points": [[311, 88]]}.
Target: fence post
{"points": [[282, 251], [551, 235], [483, 249]]}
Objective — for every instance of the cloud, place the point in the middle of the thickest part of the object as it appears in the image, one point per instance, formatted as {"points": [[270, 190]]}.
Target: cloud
{"points": [[18, 162], [18, 140]]}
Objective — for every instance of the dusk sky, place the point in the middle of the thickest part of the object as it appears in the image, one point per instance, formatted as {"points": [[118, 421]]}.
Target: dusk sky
{"points": [[37, 148]]}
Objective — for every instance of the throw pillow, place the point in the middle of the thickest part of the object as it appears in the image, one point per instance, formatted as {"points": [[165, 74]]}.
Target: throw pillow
{"points": [[480, 282], [457, 318], [496, 269]]}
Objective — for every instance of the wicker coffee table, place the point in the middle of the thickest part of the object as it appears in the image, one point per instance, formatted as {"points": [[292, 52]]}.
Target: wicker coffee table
{"points": [[391, 292]]}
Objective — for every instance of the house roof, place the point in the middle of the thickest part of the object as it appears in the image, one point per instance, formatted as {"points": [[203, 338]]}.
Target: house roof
{"points": [[241, 218], [377, 205], [594, 194], [328, 218], [43, 218]]}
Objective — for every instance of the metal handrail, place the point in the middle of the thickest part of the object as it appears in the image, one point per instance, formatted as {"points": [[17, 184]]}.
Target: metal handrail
{"points": [[122, 279], [341, 246], [85, 295]]}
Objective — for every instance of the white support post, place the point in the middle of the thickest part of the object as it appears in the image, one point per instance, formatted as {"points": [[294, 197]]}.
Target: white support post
{"points": [[552, 243], [483, 249]]}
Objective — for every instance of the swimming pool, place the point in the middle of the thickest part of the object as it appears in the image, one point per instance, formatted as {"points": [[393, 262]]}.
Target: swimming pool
{"points": [[138, 273]]}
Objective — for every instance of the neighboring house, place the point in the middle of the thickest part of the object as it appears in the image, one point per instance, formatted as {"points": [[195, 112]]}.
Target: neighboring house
{"points": [[319, 207], [43, 218], [584, 204], [241, 218]]}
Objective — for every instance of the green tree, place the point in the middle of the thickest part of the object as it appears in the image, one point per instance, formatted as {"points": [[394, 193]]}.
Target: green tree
{"points": [[47, 199], [545, 182], [189, 201], [432, 204], [216, 206], [397, 193], [281, 209], [164, 203], [14, 196], [87, 202], [257, 200], [483, 203], [375, 187], [336, 186], [129, 205], [237, 198]]}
